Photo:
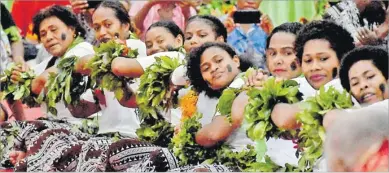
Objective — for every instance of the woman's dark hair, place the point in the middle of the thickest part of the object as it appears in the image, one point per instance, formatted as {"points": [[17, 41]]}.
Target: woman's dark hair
{"points": [[194, 72], [169, 26], [374, 13], [118, 8], [339, 38], [63, 14], [216, 25], [378, 56], [290, 27]]}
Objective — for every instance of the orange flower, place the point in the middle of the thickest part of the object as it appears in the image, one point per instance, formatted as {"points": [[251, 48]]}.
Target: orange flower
{"points": [[188, 104], [125, 51]]}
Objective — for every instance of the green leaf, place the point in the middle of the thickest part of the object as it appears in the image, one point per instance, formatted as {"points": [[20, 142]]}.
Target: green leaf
{"points": [[68, 99], [261, 149], [260, 130], [225, 101], [19, 93], [119, 94]]}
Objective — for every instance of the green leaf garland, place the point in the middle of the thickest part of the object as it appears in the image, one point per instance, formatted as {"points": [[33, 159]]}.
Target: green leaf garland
{"points": [[312, 133], [100, 65], [19, 91], [65, 85], [224, 105], [258, 122], [153, 97], [188, 152]]}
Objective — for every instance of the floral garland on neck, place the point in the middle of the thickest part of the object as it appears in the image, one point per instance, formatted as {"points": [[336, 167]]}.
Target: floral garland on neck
{"points": [[188, 104]]}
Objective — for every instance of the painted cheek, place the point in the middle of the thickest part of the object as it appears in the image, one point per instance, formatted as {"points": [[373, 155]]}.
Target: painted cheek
{"points": [[63, 36], [229, 68], [334, 73], [382, 88], [293, 66]]}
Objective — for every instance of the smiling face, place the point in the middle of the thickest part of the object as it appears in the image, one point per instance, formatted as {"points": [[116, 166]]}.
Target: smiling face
{"points": [[281, 58], [198, 32], [158, 39], [367, 83], [320, 63], [107, 26], [56, 36], [218, 68]]}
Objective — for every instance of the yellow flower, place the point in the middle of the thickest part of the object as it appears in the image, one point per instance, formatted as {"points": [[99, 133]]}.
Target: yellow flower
{"points": [[188, 104]]}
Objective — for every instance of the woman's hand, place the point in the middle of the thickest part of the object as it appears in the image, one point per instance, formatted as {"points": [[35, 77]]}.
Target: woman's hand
{"points": [[266, 24], [16, 156], [256, 78], [367, 36], [284, 116], [230, 24], [79, 5], [16, 72]]}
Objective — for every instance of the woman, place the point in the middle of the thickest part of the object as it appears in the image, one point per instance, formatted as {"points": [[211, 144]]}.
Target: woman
{"points": [[320, 46], [61, 34], [116, 120], [281, 59], [212, 68], [282, 63], [364, 72], [200, 29], [162, 38], [111, 21]]}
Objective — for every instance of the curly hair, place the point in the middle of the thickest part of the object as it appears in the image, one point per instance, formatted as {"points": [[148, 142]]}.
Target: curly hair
{"points": [[378, 56], [290, 27], [194, 72], [63, 14], [169, 26], [339, 38], [216, 25]]}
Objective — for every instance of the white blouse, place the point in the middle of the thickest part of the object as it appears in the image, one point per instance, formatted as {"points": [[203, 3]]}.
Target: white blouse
{"points": [[115, 117], [80, 50]]}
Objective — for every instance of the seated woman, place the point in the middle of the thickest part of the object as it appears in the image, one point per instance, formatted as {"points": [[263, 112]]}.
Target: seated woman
{"points": [[319, 50], [162, 38], [212, 68], [210, 28], [199, 30], [363, 72], [61, 34], [282, 63], [115, 118], [320, 47]]}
